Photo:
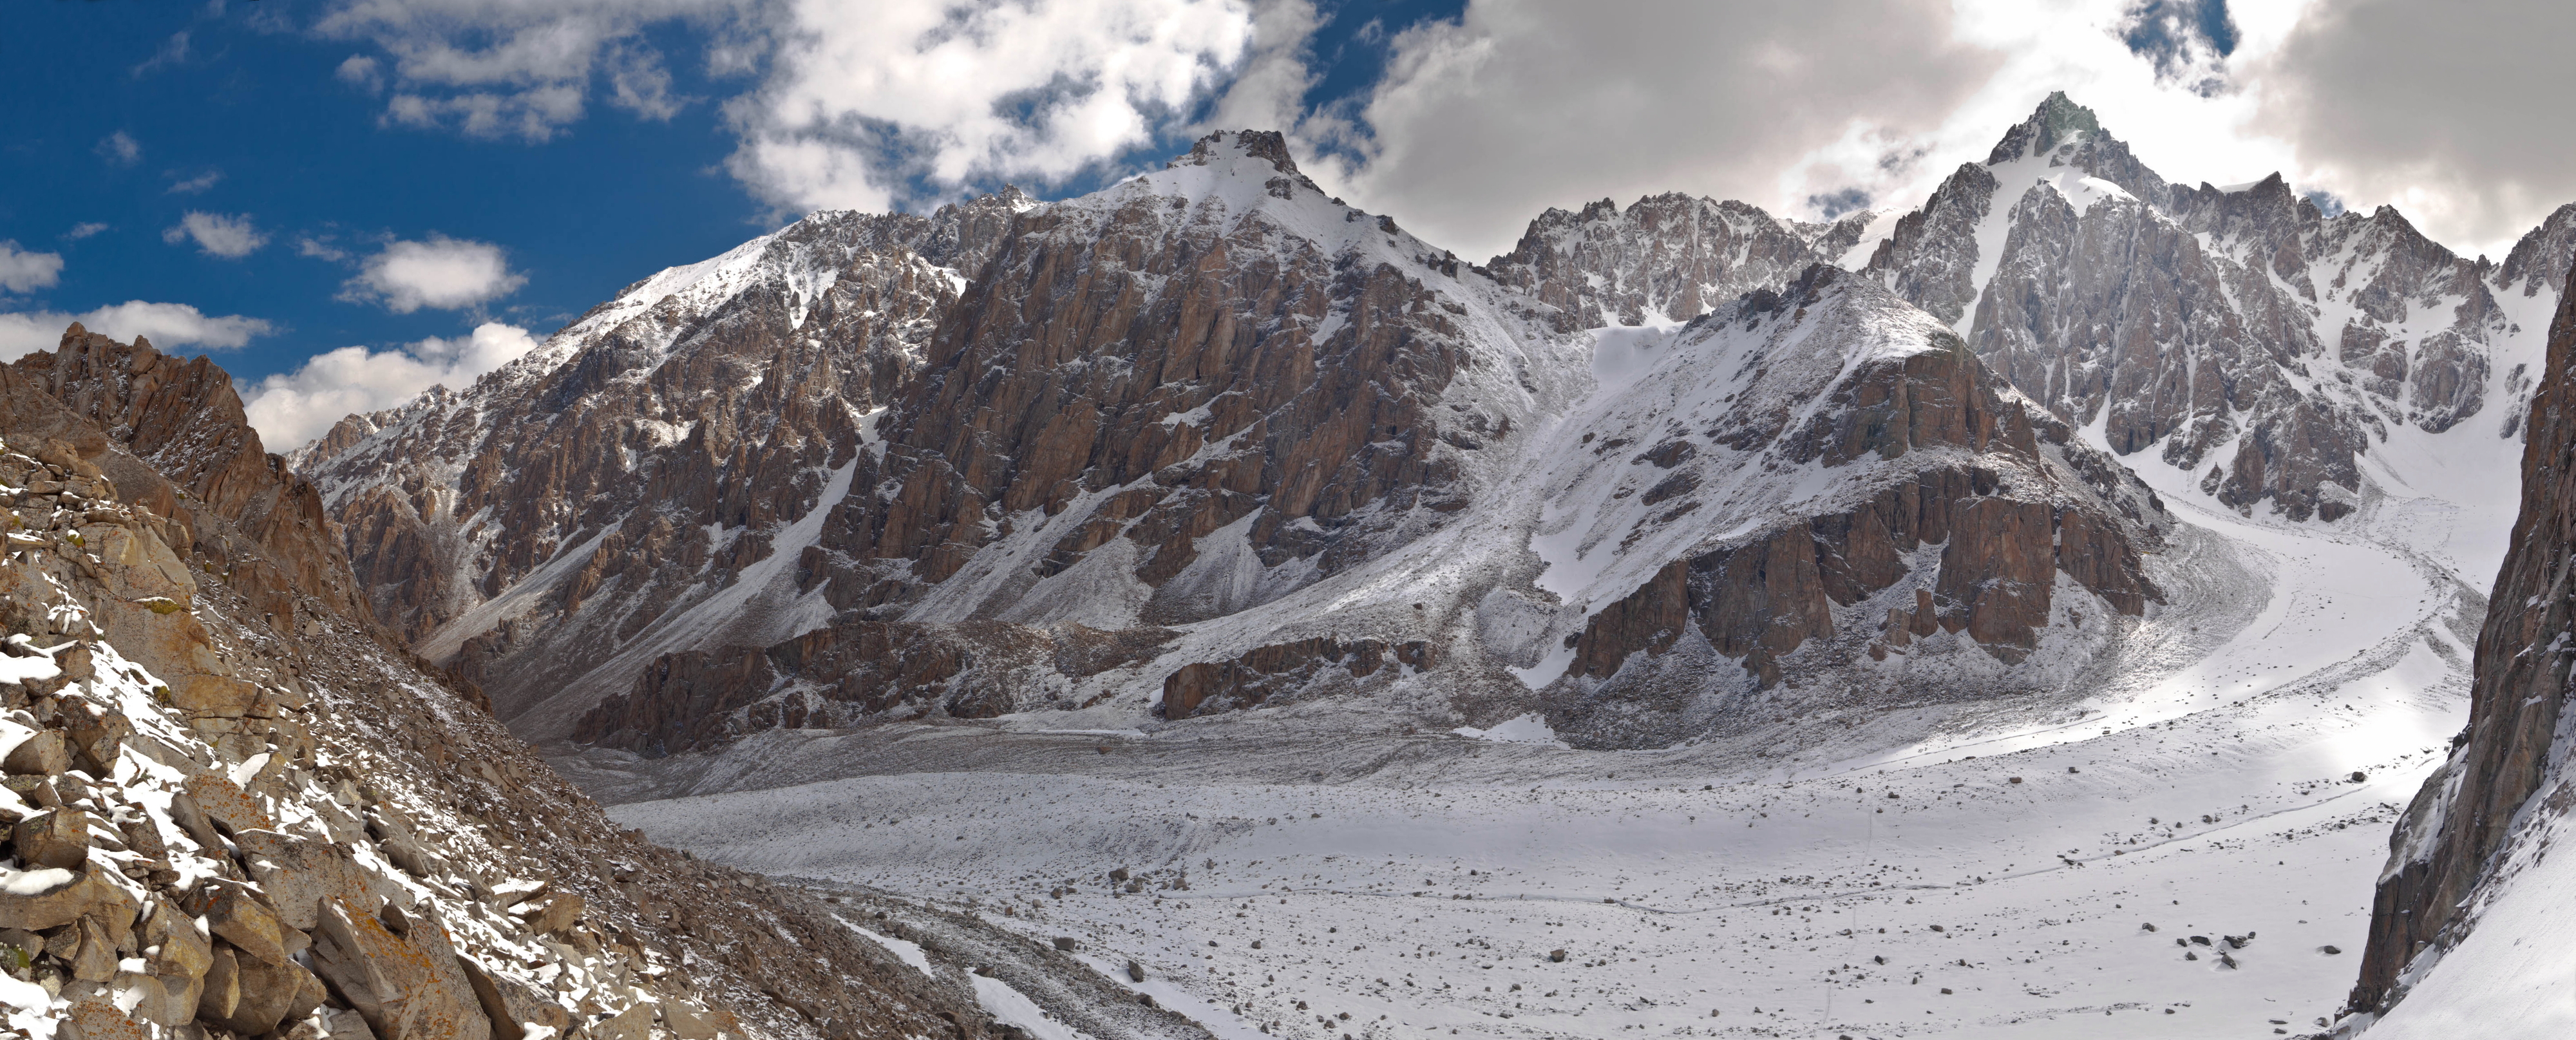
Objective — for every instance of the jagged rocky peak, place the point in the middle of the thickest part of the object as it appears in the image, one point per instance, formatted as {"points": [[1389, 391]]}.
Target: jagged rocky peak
{"points": [[2237, 332], [240, 506], [218, 825], [2057, 121], [1666, 258], [1227, 145]]}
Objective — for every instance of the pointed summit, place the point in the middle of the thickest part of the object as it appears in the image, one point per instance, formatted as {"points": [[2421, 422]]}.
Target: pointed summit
{"points": [[1223, 145], [2057, 121]]}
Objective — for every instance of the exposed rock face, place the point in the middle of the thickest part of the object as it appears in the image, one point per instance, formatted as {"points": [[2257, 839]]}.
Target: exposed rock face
{"points": [[1932, 451], [1667, 257], [1130, 373], [2444, 853], [273, 831], [844, 674], [261, 525], [1210, 440], [662, 436], [1256, 676], [2240, 332]]}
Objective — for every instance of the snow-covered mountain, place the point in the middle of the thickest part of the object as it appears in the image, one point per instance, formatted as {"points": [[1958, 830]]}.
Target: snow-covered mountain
{"points": [[2285, 360], [1210, 439]]}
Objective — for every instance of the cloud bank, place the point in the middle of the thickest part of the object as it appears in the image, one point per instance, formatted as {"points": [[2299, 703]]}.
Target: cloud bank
{"points": [[171, 326], [291, 409], [1479, 122]]}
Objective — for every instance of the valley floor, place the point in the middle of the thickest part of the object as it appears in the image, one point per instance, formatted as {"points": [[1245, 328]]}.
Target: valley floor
{"points": [[2041, 878]]}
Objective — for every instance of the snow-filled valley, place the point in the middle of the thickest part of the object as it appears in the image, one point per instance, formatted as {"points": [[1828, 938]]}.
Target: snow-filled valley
{"points": [[1997, 882]]}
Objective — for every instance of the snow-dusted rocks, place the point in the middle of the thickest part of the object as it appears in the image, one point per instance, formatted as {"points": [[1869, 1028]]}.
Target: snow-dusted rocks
{"points": [[1824, 484], [270, 827], [1667, 257]]}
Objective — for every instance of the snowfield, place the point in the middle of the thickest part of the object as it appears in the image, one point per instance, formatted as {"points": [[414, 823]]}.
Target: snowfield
{"points": [[2026, 877]]}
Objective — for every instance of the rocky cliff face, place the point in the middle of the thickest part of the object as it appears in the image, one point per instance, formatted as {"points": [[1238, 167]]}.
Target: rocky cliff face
{"points": [[262, 526], [224, 824], [526, 528], [2239, 334], [2488, 812]]}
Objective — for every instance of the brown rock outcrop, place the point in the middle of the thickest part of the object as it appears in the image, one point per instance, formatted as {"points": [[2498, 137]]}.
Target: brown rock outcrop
{"points": [[260, 524], [1952, 459], [1276, 672]]}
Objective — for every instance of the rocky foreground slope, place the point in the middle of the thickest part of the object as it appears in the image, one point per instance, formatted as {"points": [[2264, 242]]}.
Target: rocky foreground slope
{"points": [[2482, 825], [237, 808]]}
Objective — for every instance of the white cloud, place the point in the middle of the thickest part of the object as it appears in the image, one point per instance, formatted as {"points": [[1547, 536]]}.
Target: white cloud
{"points": [[198, 183], [23, 271], [229, 237], [291, 409], [361, 71], [119, 148], [1481, 123], [2454, 112], [170, 326], [83, 230], [498, 68], [858, 100], [443, 273], [1516, 105], [321, 248], [860, 97]]}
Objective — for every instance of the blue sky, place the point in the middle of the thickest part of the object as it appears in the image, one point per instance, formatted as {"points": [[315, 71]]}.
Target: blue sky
{"points": [[348, 200], [150, 112]]}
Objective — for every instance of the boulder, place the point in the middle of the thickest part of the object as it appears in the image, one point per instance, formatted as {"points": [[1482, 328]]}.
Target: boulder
{"points": [[407, 985], [43, 754], [634, 1023], [236, 915], [512, 1003], [252, 998], [299, 874], [97, 1020], [37, 900], [93, 957], [226, 803], [559, 912], [97, 741], [56, 839], [163, 1000], [690, 1023]]}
